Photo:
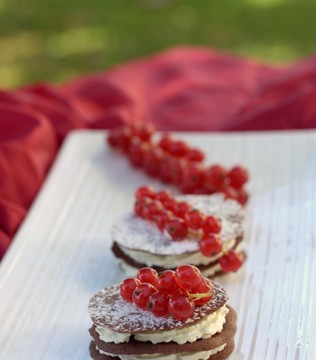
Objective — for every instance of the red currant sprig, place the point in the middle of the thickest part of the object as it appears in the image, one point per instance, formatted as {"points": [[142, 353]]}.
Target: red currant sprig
{"points": [[174, 161], [178, 219], [174, 293]]}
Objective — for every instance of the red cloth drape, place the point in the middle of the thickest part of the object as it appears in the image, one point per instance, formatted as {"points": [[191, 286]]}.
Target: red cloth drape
{"points": [[190, 89]]}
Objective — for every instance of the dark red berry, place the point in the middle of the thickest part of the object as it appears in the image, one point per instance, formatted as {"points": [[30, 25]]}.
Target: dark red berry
{"points": [[181, 307], [238, 176], [165, 142], [193, 175], [187, 276], [152, 161], [210, 245], [178, 148], [181, 208], [136, 154], [158, 304], [127, 288], [162, 218], [142, 293], [177, 229], [203, 293], [230, 193], [215, 177], [212, 225], [242, 196], [231, 261], [145, 191], [112, 138], [163, 195], [195, 155], [194, 219], [166, 283], [154, 208], [144, 132], [147, 275]]}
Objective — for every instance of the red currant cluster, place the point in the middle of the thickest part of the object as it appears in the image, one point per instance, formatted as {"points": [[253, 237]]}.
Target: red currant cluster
{"points": [[174, 162], [181, 221], [172, 292]]}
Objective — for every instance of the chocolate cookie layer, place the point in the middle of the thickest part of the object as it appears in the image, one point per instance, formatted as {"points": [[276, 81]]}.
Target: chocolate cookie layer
{"points": [[134, 347], [221, 355], [108, 309]]}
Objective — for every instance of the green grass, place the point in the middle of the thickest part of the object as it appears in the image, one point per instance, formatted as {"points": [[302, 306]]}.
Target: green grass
{"points": [[56, 40]]}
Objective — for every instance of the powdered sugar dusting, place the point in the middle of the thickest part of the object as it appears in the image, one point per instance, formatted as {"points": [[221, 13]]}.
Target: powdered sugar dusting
{"points": [[108, 309], [135, 233]]}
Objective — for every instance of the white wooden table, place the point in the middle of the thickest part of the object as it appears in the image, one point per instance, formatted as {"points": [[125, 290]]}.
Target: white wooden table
{"points": [[61, 255]]}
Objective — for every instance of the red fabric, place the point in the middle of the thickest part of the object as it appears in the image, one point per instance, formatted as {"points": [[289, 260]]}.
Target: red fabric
{"points": [[180, 89]]}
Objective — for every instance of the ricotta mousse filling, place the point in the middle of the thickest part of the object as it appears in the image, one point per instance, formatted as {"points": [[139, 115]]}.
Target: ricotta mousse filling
{"points": [[173, 261], [203, 329], [202, 355]]}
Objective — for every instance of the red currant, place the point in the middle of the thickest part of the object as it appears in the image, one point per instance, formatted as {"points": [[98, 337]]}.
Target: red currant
{"points": [[127, 288], [215, 176], [187, 276], [165, 170], [176, 168], [124, 138], [158, 304], [230, 193], [163, 195], [112, 138], [170, 204], [145, 191], [162, 218], [141, 295], [242, 196], [176, 228], [238, 176], [203, 293], [212, 225], [144, 132], [136, 154], [231, 261], [165, 142], [195, 155], [166, 283], [181, 307], [194, 219], [154, 208], [181, 208], [178, 148], [193, 175], [210, 245], [147, 275], [141, 205], [152, 160]]}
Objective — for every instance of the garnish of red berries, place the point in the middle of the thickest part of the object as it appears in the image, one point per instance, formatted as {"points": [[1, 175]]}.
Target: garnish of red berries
{"points": [[179, 219], [174, 161], [174, 293]]}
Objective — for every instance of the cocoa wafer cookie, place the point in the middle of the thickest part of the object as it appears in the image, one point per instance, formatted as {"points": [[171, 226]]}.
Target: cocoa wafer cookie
{"points": [[108, 309], [140, 243], [221, 355], [134, 347], [123, 328]]}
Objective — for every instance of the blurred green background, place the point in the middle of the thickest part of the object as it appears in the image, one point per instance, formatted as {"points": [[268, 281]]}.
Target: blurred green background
{"points": [[56, 40]]}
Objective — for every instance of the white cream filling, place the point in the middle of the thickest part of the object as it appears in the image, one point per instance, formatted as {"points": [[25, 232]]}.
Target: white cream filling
{"points": [[172, 261], [132, 271], [204, 329], [202, 355]]}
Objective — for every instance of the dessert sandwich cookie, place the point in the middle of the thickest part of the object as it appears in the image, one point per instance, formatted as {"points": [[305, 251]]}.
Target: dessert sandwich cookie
{"points": [[176, 315], [165, 231]]}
